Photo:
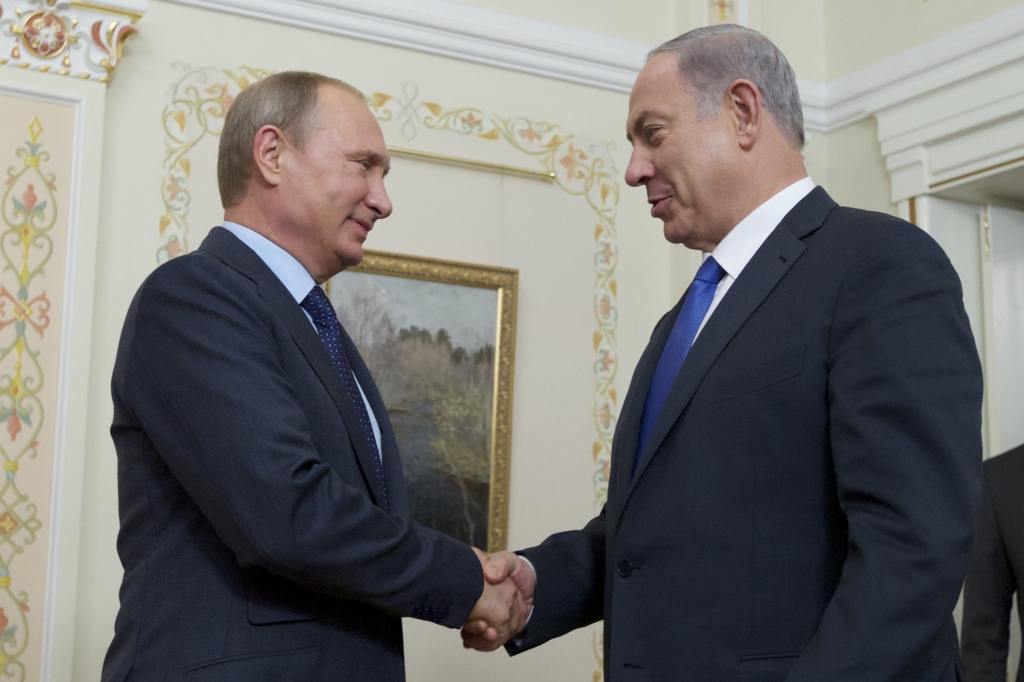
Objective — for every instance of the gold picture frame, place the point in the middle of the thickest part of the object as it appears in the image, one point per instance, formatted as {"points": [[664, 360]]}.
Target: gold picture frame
{"points": [[504, 283]]}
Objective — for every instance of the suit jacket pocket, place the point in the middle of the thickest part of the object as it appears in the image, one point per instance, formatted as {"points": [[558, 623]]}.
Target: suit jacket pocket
{"points": [[767, 667], [268, 666], [773, 372], [273, 599]]}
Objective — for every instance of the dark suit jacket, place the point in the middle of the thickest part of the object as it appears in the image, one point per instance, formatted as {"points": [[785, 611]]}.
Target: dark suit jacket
{"points": [[252, 537], [996, 571], [805, 504]]}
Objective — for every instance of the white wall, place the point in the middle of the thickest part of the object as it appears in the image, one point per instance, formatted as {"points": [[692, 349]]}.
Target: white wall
{"points": [[1007, 242]]}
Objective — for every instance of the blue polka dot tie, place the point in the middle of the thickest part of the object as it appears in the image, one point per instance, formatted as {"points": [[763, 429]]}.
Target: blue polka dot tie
{"points": [[698, 301], [320, 309]]}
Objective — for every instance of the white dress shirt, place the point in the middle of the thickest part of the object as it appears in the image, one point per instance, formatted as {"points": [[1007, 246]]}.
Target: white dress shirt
{"points": [[298, 282], [739, 246]]}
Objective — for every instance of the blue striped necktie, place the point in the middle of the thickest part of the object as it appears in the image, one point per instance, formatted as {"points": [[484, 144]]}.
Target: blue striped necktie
{"points": [[320, 309], [695, 307]]}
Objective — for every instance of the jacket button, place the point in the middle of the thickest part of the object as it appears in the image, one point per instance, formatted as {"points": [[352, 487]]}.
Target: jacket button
{"points": [[624, 568]]}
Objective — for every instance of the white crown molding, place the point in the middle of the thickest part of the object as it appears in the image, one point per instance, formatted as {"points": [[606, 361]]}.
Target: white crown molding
{"points": [[568, 54], [461, 32], [937, 63]]}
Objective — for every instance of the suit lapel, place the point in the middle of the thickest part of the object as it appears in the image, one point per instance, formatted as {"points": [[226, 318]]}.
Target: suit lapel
{"points": [[764, 271], [232, 251], [627, 431]]}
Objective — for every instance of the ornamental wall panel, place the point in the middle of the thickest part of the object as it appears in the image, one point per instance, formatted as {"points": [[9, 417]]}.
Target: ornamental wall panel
{"points": [[36, 159]]}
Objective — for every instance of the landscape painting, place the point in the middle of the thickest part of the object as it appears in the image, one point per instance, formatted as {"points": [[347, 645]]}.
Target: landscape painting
{"points": [[438, 338]]}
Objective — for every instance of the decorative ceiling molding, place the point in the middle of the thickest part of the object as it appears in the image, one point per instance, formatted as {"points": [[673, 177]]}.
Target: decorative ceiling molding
{"points": [[461, 32], [76, 39], [964, 53], [568, 54]]}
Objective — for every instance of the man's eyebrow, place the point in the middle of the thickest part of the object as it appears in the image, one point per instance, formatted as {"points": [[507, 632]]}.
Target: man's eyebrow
{"points": [[638, 125], [372, 158]]}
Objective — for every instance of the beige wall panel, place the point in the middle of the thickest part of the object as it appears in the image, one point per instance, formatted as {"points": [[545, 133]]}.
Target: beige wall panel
{"points": [[856, 174], [861, 33], [547, 230], [467, 203], [37, 142], [816, 151], [798, 28]]}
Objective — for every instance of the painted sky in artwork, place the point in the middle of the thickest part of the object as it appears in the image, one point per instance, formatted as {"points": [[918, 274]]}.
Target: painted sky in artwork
{"points": [[468, 313]]}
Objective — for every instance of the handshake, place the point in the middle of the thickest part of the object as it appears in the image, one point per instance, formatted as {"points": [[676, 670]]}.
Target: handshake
{"points": [[504, 607]]}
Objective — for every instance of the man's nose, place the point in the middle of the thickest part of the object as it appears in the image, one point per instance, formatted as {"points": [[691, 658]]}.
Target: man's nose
{"points": [[379, 201], [639, 171]]}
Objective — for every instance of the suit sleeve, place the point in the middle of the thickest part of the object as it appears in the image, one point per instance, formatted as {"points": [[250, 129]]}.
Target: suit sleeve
{"points": [[201, 370], [904, 393], [988, 600], [570, 584]]}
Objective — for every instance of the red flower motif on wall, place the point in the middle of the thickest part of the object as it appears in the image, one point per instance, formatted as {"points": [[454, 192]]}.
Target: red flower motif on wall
{"points": [[471, 120], [173, 248], [33, 311], [45, 34], [29, 198], [14, 426], [530, 135], [173, 188]]}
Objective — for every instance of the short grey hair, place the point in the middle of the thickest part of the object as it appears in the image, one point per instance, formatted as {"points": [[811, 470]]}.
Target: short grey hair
{"points": [[288, 100], [712, 57]]}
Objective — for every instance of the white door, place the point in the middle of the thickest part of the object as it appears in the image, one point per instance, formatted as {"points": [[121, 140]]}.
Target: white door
{"points": [[986, 246]]}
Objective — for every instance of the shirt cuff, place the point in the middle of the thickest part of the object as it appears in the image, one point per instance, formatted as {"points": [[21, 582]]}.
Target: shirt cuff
{"points": [[534, 571]]}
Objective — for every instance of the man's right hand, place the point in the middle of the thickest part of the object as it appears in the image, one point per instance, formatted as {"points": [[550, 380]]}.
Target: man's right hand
{"points": [[502, 571]]}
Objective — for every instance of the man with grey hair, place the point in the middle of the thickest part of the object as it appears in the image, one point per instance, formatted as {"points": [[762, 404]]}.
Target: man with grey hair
{"points": [[795, 471], [265, 531]]}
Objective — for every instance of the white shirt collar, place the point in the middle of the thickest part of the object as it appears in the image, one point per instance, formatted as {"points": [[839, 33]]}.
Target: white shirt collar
{"points": [[739, 246], [293, 276]]}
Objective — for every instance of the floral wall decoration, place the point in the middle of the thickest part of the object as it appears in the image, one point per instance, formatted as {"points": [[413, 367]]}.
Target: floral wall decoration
{"points": [[77, 39], [29, 211]]}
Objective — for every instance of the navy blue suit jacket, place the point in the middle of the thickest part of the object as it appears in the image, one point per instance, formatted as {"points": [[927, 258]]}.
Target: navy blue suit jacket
{"points": [[253, 539], [996, 571], [804, 508]]}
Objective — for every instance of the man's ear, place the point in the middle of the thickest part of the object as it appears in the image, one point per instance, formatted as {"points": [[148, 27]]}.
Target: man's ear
{"points": [[267, 148], [744, 103]]}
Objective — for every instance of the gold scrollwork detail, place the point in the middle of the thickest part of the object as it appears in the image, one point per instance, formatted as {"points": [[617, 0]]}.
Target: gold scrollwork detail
{"points": [[47, 30]]}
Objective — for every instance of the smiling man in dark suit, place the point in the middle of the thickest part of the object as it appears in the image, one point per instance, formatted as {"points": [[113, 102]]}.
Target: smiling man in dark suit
{"points": [[795, 470], [265, 531]]}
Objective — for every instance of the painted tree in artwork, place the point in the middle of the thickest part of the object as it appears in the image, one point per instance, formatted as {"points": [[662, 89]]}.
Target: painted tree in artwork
{"points": [[440, 397]]}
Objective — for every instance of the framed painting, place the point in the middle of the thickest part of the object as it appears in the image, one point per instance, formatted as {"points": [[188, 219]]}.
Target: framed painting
{"points": [[439, 339]]}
